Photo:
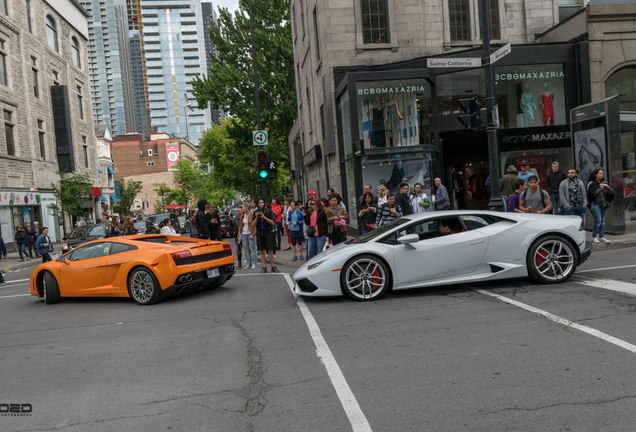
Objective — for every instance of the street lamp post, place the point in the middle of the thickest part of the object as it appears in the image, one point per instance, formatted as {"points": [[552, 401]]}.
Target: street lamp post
{"points": [[162, 204]]}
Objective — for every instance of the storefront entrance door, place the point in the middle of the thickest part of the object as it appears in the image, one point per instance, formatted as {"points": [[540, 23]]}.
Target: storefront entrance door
{"points": [[468, 185]]}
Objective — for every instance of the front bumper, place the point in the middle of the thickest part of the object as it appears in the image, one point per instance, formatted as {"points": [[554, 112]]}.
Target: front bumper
{"points": [[200, 280], [586, 252]]}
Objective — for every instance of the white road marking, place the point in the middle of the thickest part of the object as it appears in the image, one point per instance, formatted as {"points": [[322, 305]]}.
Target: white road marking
{"points": [[19, 280], [17, 295], [563, 321], [358, 421], [608, 284], [606, 268]]}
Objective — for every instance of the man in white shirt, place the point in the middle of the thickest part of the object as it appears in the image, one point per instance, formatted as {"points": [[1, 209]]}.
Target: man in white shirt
{"points": [[417, 198]]}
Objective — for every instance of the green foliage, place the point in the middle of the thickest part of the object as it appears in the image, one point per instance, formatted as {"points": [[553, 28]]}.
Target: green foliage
{"points": [[230, 85], [169, 195], [68, 192], [127, 193]]}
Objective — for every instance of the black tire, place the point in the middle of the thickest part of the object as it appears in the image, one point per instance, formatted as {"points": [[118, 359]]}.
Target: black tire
{"points": [[50, 288], [551, 259], [143, 287], [373, 274]]}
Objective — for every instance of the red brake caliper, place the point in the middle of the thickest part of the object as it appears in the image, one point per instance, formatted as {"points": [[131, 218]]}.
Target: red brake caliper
{"points": [[376, 279], [540, 258]]}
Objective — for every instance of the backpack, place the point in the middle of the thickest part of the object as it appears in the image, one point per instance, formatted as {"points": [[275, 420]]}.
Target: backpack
{"points": [[522, 196]]}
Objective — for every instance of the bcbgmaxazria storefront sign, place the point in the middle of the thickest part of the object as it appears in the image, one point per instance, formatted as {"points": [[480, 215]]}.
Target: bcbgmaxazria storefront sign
{"points": [[537, 137], [528, 75]]}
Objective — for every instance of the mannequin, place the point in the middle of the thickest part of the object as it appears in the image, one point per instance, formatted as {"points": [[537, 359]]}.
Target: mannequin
{"points": [[528, 106], [392, 117], [378, 133], [546, 102]]}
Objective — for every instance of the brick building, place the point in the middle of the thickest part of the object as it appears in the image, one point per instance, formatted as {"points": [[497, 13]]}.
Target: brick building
{"points": [[136, 157], [42, 53]]}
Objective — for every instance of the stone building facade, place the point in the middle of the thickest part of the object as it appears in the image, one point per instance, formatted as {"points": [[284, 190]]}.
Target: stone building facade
{"points": [[138, 158], [42, 44], [105, 167], [333, 34]]}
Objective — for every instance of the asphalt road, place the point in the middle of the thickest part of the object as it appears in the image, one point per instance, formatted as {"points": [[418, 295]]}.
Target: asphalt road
{"points": [[242, 358]]}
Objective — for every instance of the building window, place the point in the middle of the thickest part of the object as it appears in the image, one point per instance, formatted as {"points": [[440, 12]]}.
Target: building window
{"points": [[3, 7], [34, 76], [493, 19], [459, 22], [567, 8], [85, 151], [375, 21], [51, 33], [317, 34], [322, 121], [8, 132], [80, 106], [56, 78], [41, 138], [76, 51], [27, 3], [623, 83], [302, 17], [3, 64]]}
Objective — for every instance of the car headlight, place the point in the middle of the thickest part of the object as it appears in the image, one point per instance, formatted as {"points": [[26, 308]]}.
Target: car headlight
{"points": [[316, 264]]}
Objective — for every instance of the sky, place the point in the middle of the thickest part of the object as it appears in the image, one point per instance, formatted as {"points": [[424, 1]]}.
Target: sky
{"points": [[232, 5]]}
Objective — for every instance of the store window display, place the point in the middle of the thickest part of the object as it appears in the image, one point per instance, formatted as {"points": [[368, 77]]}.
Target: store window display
{"points": [[539, 161], [531, 95], [394, 113]]}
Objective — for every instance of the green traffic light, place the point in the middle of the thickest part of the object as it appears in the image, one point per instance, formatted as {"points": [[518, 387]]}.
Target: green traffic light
{"points": [[263, 174]]}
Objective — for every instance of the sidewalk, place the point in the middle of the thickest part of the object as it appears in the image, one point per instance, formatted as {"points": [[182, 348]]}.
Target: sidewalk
{"points": [[12, 262], [627, 239]]}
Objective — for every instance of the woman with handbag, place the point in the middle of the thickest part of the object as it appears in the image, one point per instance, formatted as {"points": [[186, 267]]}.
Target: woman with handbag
{"points": [[317, 227], [366, 213], [337, 217], [599, 196]]}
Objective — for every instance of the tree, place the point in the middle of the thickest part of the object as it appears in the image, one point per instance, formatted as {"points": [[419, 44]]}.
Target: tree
{"points": [[128, 191], [69, 191], [169, 195]]}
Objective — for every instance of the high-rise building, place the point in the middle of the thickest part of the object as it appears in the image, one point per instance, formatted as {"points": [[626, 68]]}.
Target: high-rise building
{"points": [[109, 63], [138, 64], [173, 35], [210, 19]]}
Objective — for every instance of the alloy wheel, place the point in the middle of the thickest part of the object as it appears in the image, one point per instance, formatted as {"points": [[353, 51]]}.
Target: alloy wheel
{"points": [[365, 278], [554, 259], [142, 286]]}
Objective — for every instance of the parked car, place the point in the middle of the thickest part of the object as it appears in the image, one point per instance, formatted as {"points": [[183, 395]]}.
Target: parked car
{"points": [[145, 227], [83, 234], [229, 226], [155, 219], [185, 224]]}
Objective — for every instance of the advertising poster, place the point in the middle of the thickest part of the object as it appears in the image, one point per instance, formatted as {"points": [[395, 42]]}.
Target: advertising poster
{"points": [[172, 155], [590, 152], [26, 216]]}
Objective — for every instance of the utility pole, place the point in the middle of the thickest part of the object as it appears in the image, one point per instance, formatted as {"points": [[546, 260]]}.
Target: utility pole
{"points": [[496, 203], [257, 101]]}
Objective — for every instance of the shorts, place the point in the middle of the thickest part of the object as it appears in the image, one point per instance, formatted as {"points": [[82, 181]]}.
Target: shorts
{"points": [[265, 242], [297, 240]]}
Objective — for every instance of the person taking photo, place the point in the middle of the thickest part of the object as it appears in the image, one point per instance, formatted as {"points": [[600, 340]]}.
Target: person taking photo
{"points": [[265, 224]]}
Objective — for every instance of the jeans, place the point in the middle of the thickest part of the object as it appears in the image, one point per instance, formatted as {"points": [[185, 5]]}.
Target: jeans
{"points": [[364, 231], [249, 247], [315, 246], [556, 204], [22, 250], [599, 214], [579, 211], [279, 231]]}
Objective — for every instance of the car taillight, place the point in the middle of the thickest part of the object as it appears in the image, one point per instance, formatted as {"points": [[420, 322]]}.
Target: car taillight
{"points": [[227, 247], [182, 254]]}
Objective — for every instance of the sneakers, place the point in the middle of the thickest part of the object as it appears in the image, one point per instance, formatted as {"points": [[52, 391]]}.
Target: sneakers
{"points": [[253, 267], [301, 258], [264, 269], [274, 269], [247, 267], [604, 240], [595, 240], [295, 258], [2, 284]]}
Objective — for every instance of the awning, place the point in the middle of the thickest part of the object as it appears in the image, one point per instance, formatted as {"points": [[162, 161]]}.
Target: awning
{"points": [[111, 170], [113, 197], [88, 204], [100, 170], [104, 198]]}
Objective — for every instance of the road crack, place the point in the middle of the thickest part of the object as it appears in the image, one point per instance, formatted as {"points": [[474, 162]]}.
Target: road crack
{"points": [[601, 402]]}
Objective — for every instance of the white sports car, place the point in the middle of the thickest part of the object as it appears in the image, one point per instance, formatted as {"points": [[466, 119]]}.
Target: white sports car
{"points": [[447, 247]]}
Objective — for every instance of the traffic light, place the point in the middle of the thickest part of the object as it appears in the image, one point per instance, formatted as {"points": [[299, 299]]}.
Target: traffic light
{"points": [[472, 118], [262, 164], [272, 170]]}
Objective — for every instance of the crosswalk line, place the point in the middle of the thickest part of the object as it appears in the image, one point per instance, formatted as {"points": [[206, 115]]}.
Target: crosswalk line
{"points": [[608, 284]]}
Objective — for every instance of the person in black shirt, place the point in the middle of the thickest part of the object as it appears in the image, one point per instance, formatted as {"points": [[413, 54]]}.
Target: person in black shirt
{"points": [[213, 220], [202, 223], [402, 199], [265, 223]]}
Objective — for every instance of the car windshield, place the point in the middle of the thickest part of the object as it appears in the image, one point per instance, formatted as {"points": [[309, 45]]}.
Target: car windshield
{"points": [[82, 232], [140, 224], [158, 218], [371, 235], [162, 239], [182, 219]]}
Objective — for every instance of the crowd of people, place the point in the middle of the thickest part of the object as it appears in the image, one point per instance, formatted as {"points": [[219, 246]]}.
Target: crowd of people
{"points": [[566, 194]]}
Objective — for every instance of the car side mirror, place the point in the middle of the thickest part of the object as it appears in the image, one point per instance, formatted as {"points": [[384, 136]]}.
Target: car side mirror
{"points": [[409, 239], [63, 259]]}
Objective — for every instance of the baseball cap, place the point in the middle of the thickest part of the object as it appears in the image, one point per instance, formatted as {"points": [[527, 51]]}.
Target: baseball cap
{"points": [[312, 192], [524, 162]]}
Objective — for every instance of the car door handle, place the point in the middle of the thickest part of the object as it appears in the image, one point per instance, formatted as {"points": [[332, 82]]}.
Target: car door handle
{"points": [[476, 242]]}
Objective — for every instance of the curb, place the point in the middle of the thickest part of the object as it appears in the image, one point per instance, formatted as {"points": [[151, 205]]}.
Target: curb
{"points": [[19, 266], [615, 244]]}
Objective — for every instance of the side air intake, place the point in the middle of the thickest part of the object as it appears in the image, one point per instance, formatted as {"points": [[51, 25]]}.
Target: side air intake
{"points": [[495, 269]]}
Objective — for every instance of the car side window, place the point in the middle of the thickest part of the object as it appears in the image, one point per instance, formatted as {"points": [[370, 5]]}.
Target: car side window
{"points": [[474, 222], [93, 250], [121, 247]]}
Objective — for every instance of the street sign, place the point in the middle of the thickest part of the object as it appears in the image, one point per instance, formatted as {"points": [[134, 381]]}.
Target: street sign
{"points": [[500, 53], [259, 138], [446, 62], [272, 165]]}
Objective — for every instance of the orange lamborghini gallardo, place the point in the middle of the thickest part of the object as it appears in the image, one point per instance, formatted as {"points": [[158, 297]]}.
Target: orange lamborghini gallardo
{"points": [[146, 268]]}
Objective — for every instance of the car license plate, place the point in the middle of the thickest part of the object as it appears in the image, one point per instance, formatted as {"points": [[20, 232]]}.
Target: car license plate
{"points": [[213, 273]]}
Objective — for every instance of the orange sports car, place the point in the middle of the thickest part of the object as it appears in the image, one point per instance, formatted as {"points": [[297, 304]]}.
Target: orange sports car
{"points": [[146, 268]]}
